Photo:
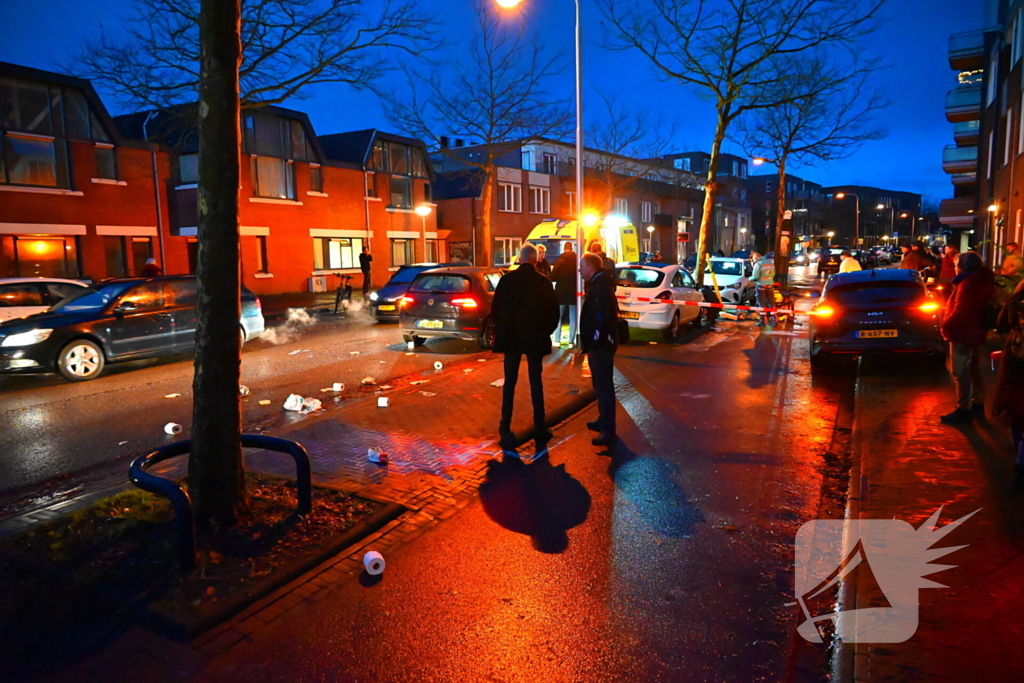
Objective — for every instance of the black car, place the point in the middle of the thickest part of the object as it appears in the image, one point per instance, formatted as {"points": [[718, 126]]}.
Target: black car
{"points": [[829, 261], [384, 301], [876, 311], [450, 302], [115, 320]]}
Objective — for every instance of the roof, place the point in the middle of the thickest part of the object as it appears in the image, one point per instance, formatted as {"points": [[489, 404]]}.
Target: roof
{"points": [[459, 184], [25, 280], [353, 147], [175, 127], [875, 275]]}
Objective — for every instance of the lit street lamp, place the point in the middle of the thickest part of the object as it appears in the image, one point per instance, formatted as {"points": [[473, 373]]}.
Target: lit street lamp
{"points": [[913, 224], [650, 240], [856, 222], [892, 219], [830, 236], [743, 238], [424, 210]]}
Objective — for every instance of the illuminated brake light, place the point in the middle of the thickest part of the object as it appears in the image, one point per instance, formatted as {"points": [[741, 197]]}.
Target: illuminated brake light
{"points": [[663, 298], [405, 301], [929, 307], [823, 311], [465, 302]]}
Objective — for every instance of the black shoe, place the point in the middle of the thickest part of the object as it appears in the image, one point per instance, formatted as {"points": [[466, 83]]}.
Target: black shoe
{"points": [[978, 411], [605, 440], [960, 416], [507, 440], [594, 426], [1018, 477], [542, 434]]}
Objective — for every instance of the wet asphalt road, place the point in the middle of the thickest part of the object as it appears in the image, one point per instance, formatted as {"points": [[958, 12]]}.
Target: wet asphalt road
{"points": [[52, 427]]}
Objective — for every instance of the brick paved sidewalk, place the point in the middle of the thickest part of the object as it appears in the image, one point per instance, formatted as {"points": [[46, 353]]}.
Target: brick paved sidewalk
{"points": [[909, 465]]}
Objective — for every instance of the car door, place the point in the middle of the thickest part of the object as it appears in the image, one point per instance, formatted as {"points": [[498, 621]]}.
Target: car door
{"points": [[141, 324], [181, 302], [20, 299], [685, 289]]}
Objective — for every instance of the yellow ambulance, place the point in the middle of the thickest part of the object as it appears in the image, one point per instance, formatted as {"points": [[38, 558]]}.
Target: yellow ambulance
{"points": [[617, 236]]}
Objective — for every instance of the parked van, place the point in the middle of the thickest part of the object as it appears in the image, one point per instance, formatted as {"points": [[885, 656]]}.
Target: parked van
{"points": [[617, 236]]}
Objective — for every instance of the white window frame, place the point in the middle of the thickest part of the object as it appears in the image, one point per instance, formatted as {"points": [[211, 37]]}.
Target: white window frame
{"points": [[511, 247], [570, 202], [527, 159], [550, 163], [622, 206], [510, 197], [1008, 139], [646, 211], [540, 200]]}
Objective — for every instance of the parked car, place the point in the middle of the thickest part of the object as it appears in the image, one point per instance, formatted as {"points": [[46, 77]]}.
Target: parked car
{"points": [[733, 278], [876, 311], [866, 258], [115, 320], [24, 296], [830, 260], [652, 297], [882, 255], [453, 302], [384, 301]]}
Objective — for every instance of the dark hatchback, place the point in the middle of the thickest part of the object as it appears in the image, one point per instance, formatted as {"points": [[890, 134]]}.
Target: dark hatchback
{"points": [[450, 302], [384, 301], [876, 311], [115, 320], [829, 261]]}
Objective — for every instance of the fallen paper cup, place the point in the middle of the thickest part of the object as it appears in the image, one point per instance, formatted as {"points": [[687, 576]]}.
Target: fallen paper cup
{"points": [[383, 401], [243, 390], [338, 386], [172, 428], [410, 345], [265, 403], [377, 456], [438, 365], [374, 563]]}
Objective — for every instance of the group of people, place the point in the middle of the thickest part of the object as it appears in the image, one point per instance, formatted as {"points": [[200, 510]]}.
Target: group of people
{"points": [[527, 310]]}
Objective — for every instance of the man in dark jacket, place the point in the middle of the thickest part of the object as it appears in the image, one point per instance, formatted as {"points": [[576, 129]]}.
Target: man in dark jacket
{"points": [[962, 327], [599, 338], [525, 313], [563, 274], [912, 259], [365, 261], [543, 267]]}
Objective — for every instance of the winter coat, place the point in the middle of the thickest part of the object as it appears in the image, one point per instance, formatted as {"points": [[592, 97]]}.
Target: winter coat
{"points": [[525, 312], [948, 270], [1008, 397], [961, 322], [1013, 265], [150, 270], [563, 274], [544, 268], [914, 260], [599, 319]]}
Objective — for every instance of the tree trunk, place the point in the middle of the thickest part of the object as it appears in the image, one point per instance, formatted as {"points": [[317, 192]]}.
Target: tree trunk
{"points": [[781, 255], [485, 244], [216, 470], [710, 189]]}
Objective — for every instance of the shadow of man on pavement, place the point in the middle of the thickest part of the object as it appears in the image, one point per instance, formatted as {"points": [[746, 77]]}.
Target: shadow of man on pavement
{"points": [[539, 500], [650, 487]]}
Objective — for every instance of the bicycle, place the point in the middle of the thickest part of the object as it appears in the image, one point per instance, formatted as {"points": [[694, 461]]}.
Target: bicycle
{"points": [[343, 294]]}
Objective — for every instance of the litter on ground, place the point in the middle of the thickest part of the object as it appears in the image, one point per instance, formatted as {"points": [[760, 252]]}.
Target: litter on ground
{"points": [[298, 404], [369, 381], [297, 352], [243, 390], [376, 455], [265, 402], [419, 381], [428, 393], [172, 395], [438, 365], [498, 382]]}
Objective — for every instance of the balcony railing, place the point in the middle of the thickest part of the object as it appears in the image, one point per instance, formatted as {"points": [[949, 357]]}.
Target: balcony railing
{"points": [[966, 132], [959, 212], [959, 159], [964, 178], [963, 104], [967, 50]]}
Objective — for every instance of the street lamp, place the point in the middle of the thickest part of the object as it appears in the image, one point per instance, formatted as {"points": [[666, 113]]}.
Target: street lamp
{"points": [[424, 210], [743, 232], [508, 4], [830, 236], [650, 241], [913, 224], [856, 222], [892, 219]]}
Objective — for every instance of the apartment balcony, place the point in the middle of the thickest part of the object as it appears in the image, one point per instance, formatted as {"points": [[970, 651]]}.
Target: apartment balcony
{"points": [[958, 213], [966, 133], [967, 51], [959, 159], [964, 179], [963, 104]]}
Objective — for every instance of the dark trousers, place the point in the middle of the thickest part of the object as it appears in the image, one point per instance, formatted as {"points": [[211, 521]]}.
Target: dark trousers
{"points": [[534, 366], [366, 283], [602, 370]]}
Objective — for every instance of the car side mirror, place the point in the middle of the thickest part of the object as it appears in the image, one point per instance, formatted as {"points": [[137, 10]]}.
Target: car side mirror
{"points": [[125, 307]]}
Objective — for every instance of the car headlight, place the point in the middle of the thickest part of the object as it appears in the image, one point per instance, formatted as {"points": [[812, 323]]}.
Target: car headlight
{"points": [[373, 296], [27, 338]]}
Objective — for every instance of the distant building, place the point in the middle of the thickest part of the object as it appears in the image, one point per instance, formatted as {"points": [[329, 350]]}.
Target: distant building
{"points": [[804, 198], [870, 216]]}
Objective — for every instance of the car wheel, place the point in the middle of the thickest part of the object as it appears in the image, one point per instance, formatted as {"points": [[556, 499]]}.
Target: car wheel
{"points": [[241, 339], [672, 331], [819, 362], [486, 339], [81, 360]]}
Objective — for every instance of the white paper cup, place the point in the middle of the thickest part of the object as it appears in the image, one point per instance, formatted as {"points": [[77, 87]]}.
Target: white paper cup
{"points": [[374, 563], [383, 401], [338, 386], [438, 365], [172, 428]]}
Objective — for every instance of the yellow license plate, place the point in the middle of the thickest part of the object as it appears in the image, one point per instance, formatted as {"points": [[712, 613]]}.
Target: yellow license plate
{"points": [[876, 334], [385, 307], [430, 324], [629, 315]]}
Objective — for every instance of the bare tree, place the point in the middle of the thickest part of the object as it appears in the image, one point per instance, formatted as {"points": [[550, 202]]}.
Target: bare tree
{"points": [[495, 94], [727, 50], [287, 46], [826, 113]]}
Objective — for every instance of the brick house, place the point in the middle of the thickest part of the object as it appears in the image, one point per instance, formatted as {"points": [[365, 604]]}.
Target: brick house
{"points": [[77, 199]]}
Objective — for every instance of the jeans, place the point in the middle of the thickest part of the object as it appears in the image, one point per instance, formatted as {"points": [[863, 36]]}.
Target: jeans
{"points": [[966, 366], [766, 299], [602, 370], [534, 366], [366, 283], [570, 311]]}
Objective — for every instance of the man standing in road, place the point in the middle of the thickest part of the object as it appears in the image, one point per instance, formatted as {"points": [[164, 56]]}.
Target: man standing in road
{"points": [[525, 313], [764, 278], [961, 326], [599, 339], [912, 258], [563, 274], [850, 264], [364, 265]]}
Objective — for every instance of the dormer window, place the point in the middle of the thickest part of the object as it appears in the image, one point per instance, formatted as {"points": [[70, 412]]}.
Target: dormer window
{"points": [[274, 143]]}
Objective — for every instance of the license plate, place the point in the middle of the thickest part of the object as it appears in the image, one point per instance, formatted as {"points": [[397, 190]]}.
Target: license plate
{"points": [[629, 315], [385, 307], [430, 324], [876, 334]]}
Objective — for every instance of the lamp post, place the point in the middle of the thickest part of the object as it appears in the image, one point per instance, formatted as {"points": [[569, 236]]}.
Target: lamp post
{"points": [[650, 241], [424, 210], [508, 4], [856, 222], [892, 219], [830, 236], [743, 238], [913, 224]]}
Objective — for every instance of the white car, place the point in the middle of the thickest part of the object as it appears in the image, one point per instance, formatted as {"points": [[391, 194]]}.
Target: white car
{"points": [[24, 296], [733, 278], [653, 297]]}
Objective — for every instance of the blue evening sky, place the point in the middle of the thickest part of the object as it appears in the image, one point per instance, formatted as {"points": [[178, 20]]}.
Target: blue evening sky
{"points": [[913, 40]]}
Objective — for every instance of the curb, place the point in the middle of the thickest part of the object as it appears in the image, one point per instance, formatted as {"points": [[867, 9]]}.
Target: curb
{"points": [[561, 413]]}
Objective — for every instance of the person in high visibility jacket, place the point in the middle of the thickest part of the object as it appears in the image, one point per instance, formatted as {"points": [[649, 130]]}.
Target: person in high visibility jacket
{"points": [[849, 264], [764, 277]]}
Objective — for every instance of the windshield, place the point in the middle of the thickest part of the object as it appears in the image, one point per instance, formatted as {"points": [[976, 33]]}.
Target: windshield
{"points": [[406, 275], [638, 277], [92, 298], [441, 284], [726, 267]]}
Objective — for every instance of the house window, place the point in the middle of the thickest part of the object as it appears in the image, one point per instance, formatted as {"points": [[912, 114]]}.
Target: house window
{"points": [[551, 164], [113, 252], [681, 164], [427, 197], [273, 178], [40, 256], [1008, 139], [527, 159], [506, 249], [570, 203], [29, 160], [402, 252], [261, 254], [333, 253], [510, 197], [540, 200], [188, 168], [106, 162], [432, 252], [142, 251], [398, 158], [401, 193], [647, 212], [767, 189], [622, 206], [652, 176], [315, 179]]}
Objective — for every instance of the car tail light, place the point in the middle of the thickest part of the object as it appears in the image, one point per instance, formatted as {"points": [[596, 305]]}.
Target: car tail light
{"points": [[465, 302], [405, 301], [929, 306], [663, 298], [259, 305], [823, 312]]}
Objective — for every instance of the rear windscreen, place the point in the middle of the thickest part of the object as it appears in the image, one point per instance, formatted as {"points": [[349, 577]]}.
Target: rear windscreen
{"points": [[870, 294], [638, 277], [441, 284]]}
